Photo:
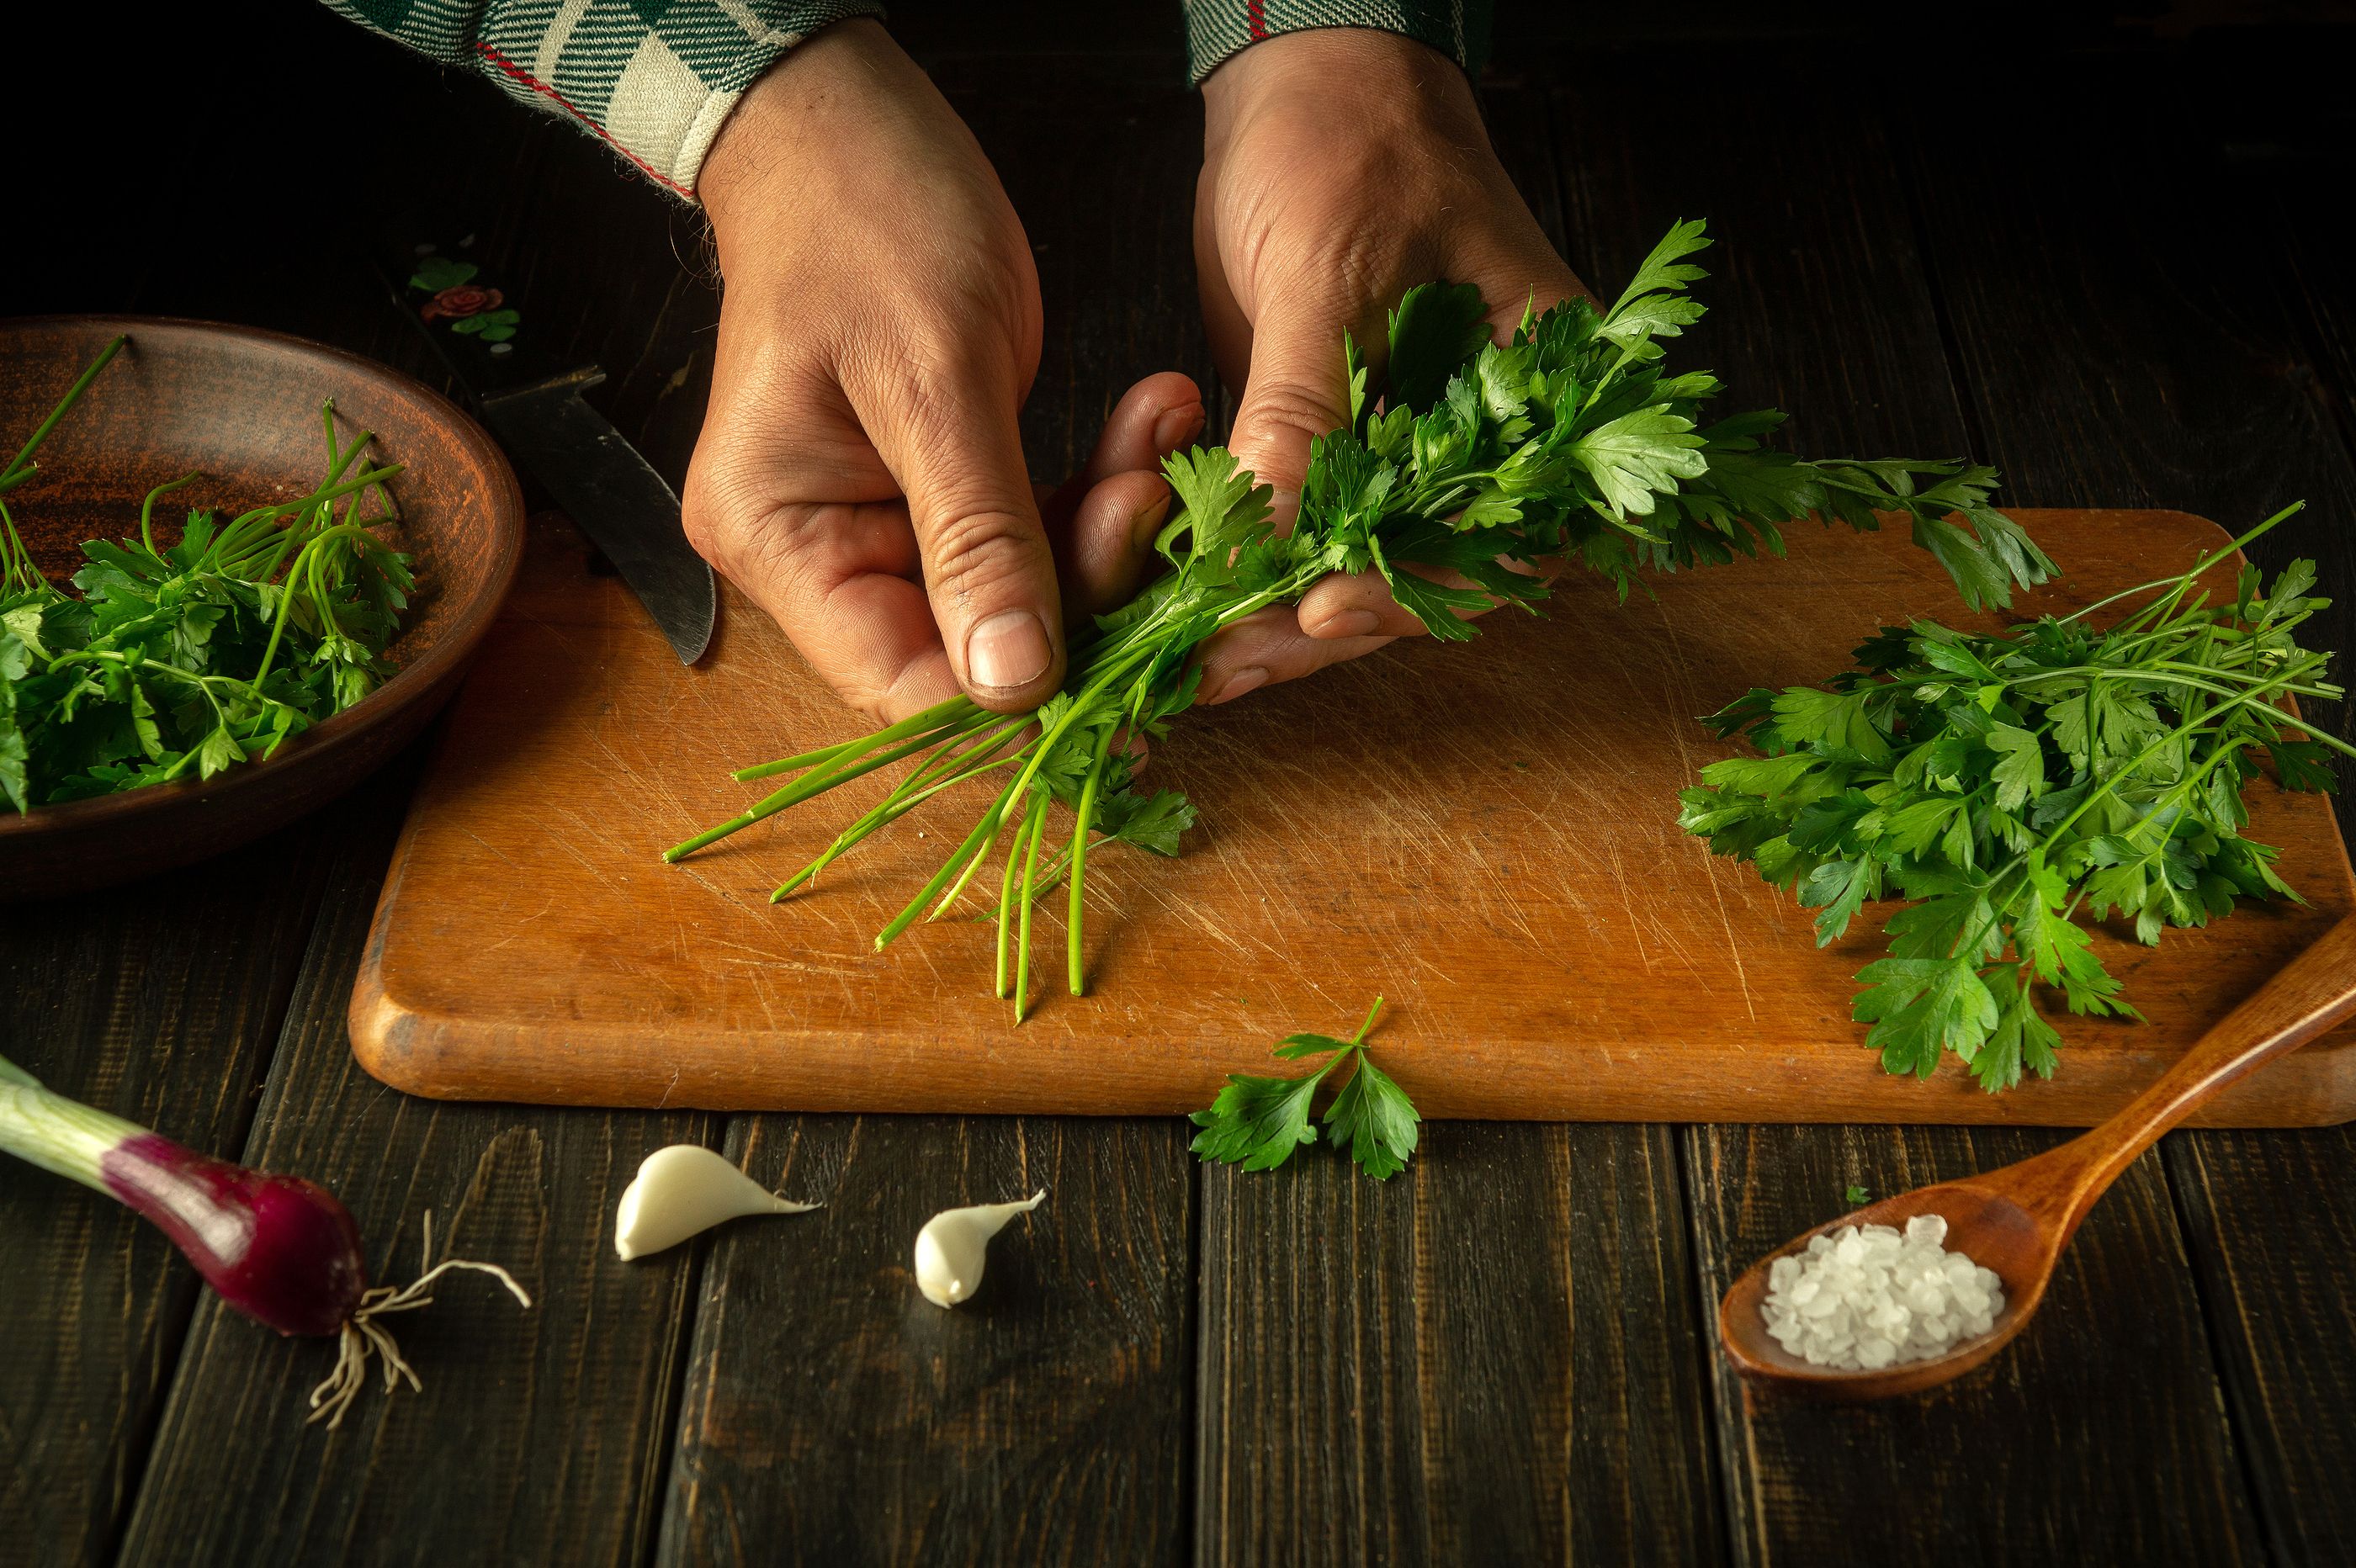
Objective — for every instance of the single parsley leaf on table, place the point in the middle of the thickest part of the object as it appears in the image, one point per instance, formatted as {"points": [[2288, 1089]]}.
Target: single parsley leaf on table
{"points": [[1257, 1122]]}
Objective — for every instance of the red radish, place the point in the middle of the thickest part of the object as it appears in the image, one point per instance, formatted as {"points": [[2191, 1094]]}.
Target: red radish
{"points": [[278, 1248]]}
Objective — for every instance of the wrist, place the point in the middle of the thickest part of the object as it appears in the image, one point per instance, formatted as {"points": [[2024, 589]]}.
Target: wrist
{"points": [[750, 177], [1361, 69]]}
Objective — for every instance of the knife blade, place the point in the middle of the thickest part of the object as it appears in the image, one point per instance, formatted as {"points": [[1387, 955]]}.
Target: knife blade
{"points": [[533, 402]]}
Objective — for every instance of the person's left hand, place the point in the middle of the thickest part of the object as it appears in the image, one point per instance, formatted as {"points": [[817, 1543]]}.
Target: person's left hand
{"points": [[1340, 167]]}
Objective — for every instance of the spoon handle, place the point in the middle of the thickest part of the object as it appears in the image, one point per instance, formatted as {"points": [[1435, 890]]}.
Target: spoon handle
{"points": [[2306, 997]]}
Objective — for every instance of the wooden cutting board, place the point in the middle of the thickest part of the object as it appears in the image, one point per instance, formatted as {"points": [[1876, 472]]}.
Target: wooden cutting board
{"points": [[1485, 833]]}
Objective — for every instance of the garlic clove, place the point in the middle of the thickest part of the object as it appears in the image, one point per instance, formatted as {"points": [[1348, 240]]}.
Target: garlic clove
{"points": [[954, 1244], [683, 1190]]}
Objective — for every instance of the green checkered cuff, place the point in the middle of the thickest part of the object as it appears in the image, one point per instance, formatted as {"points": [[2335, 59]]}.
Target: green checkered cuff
{"points": [[1218, 28], [654, 79]]}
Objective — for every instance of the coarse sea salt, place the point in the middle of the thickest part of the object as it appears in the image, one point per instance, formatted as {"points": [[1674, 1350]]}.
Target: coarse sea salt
{"points": [[1870, 1296]]}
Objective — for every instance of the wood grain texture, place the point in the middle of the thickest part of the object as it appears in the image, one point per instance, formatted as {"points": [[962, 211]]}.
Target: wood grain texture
{"points": [[158, 1003], [834, 1415], [1487, 1358], [2270, 1227], [563, 1408], [1817, 229], [2097, 1438], [2200, 359]]}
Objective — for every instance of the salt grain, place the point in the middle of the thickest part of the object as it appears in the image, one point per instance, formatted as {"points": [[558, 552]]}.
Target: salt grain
{"points": [[1870, 1296]]}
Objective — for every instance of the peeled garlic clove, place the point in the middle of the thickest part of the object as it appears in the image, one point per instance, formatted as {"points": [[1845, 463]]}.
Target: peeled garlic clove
{"points": [[952, 1247], [682, 1190]]}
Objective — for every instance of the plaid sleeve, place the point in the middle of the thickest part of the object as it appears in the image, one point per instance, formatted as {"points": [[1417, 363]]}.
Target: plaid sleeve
{"points": [[654, 79], [1218, 28]]}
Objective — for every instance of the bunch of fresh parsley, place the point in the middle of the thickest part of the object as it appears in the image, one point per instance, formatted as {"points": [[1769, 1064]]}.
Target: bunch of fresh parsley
{"points": [[1258, 1122], [1483, 462], [2015, 784], [190, 657]]}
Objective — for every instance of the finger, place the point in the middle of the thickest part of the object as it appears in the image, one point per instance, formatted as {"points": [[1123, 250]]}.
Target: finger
{"points": [[945, 425], [840, 580], [1358, 604], [1296, 390], [1120, 501], [1104, 552], [1153, 418], [1267, 648]]}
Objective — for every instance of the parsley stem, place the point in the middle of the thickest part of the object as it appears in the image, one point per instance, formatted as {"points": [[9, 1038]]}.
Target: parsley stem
{"points": [[817, 782], [2110, 786], [2183, 580], [1026, 828], [147, 510], [968, 854], [1073, 938], [1030, 869], [73, 395], [903, 799], [932, 718]]}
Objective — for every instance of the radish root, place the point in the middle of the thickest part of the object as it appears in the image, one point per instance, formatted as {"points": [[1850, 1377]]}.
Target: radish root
{"points": [[363, 1335]]}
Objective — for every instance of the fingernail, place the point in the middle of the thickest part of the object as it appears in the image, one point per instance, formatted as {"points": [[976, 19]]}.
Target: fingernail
{"points": [[1010, 649], [1176, 426], [1346, 624], [1251, 678], [1148, 523]]}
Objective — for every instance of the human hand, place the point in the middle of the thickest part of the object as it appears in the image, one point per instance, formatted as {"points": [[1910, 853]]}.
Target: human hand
{"points": [[1340, 167], [861, 473]]}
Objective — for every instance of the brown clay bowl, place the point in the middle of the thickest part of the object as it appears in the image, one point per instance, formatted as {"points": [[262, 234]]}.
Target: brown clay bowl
{"points": [[243, 406]]}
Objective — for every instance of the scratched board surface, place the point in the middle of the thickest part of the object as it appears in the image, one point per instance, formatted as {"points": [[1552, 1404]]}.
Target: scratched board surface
{"points": [[1483, 833]]}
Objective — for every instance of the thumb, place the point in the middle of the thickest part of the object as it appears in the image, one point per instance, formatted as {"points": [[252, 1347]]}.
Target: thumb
{"points": [[1295, 391], [954, 446]]}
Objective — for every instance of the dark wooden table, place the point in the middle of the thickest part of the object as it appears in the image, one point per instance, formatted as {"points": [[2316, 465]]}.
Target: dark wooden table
{"points": [[2105, 259]]}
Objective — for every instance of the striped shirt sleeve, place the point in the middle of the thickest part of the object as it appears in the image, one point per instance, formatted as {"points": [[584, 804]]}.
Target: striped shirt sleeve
{"points": [[655, 91], [1216, 29]]}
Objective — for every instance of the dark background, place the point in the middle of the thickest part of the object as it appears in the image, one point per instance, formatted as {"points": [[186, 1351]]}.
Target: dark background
{"points": [[2101, 247]]}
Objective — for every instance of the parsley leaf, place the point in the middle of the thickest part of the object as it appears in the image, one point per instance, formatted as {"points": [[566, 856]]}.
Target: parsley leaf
{"points": [[1260, 1121]]}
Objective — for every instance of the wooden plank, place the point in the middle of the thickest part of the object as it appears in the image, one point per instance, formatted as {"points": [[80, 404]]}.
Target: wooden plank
{"points": [[2231, 409], [1488, 1358], [568, 1406], [564, 1407], [834, 1415], [1825, 309], [2267, 1217], [2202, 361], [157, 1002], [2095, 1438]]}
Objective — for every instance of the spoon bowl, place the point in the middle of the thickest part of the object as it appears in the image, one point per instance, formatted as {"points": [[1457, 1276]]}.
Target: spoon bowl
{"points": [[2017, 1220], [1983, 1224]]}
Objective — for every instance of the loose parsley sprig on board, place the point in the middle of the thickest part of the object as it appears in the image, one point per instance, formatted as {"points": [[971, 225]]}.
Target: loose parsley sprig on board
{"points": [[191, 657], [2017, 783], [1258, 1122], [1463, 477]]}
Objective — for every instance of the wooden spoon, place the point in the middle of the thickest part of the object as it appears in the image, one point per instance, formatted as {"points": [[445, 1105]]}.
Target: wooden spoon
{"points": [[2016, 1219]]}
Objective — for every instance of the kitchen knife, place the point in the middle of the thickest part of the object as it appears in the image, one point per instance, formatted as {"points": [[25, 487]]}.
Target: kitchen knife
{"points": [[533, 402]]}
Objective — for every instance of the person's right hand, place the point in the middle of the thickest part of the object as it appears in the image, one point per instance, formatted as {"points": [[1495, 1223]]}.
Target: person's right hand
{"points": [[861, 473]]}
